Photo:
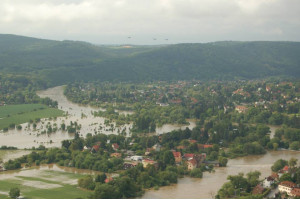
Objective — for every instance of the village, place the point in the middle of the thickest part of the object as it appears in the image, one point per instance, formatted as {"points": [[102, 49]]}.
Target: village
{"points": [[276, 188]]}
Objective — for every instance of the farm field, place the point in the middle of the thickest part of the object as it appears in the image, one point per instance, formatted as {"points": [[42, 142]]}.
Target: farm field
{"points": [[18, 114], [43, 184]]}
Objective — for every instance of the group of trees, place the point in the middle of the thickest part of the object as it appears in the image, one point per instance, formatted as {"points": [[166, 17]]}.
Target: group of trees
{"points": [[240, 186], [21, 89]]}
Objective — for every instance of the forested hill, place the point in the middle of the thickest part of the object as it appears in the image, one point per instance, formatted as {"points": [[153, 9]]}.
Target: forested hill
{"points": [[60, 62]]}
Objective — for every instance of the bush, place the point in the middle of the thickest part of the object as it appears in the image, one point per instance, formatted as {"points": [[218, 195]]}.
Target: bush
{"points": [[14, 193], [196, 173], [295, 145], [87, 183]]}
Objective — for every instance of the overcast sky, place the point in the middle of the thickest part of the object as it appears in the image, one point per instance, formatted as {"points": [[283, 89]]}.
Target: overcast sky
{"points": [[179, 21]]}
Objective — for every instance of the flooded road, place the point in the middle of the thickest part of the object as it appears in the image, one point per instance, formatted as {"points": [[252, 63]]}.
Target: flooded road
{"points": [[208, 186]]}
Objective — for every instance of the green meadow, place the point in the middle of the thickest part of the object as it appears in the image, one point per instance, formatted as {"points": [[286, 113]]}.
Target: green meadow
{"points": [[18, 114], [45, 184]]}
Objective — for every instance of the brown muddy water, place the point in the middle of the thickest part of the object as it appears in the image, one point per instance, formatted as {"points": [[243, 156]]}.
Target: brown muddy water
{"points": [[28, 137], [208, 186]]}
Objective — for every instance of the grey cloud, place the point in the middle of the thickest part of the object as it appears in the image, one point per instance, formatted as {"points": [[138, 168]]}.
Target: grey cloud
{"points": [[111, 21]]}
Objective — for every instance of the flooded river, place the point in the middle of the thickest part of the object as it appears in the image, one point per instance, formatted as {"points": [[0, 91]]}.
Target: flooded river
{"points": [[208, 186], [29, 137]]}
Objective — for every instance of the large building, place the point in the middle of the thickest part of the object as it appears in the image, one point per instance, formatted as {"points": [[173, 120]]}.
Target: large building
{"points": [[286, 186]]}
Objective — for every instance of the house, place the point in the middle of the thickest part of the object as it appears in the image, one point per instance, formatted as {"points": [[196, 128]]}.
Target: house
{"points": [[241, 92], [204, 146], [136, 158], [268, 182], [268, 89], [147, 162], [181, 147], [188, 156], [286, 186], [176, 101], [286, 169], [128, 165], [107, 180], [130, 153], [156, 147], [116, 155], [177, 156], [95, 148], [192, 141], [192, 164], [194, 101], [162, 104], [275, 176], [87, 148], [115, 146], [259, 189], [148, 151], [241, 109], [295, 192]]}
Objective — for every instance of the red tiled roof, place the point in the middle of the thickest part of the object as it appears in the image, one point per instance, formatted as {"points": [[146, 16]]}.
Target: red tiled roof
{"points": [[109, 180], [188, 155], [270, 178], [149, 161], [193, 162], [295, 192], [194, 100], [193, 141], [286, 168], [207, 146], [96, 147], [287, 184], [115, 145], [274, 176], [115, 155], [258, 189], [176, 154], [241, 107], [181, 147]]}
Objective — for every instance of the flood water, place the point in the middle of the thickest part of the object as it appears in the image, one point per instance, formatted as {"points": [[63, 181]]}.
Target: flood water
{"points": [[29, 137], [208, 186]]}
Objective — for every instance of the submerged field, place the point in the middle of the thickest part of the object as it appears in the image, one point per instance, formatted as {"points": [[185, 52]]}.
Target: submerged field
{"points": [[18, 114], [5, 155], [43, 184]]}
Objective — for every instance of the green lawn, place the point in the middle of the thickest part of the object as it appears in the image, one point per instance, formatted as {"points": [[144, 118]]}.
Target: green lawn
{"points": [[18, 109], [44, 186], [19, 114]]}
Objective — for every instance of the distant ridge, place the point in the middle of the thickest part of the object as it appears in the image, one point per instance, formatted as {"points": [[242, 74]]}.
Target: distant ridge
{"points": [[60, 62]]}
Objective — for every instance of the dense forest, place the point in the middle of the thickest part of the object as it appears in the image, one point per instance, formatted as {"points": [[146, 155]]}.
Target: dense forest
{"points": [[60, 62]]}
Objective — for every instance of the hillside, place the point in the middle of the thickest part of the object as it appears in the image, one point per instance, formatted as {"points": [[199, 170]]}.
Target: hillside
{"points": [[60, 62]]}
